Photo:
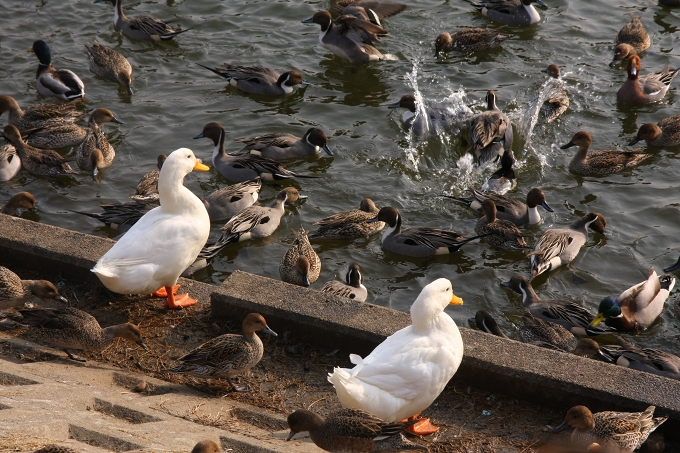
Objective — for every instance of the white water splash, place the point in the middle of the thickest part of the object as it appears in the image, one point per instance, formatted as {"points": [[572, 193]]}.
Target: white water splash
{"points": [[550, 88]]}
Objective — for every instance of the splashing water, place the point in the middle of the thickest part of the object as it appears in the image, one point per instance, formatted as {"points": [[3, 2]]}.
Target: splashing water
{"points": [[550, 88]]}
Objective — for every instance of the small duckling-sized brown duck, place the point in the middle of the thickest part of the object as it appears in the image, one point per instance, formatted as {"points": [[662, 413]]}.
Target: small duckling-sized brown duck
{"points": [[206, 446], [44, 162], [14, 291], [555, 106], [469, 40], [226, 356], [300, 265], [497, 232], [24, 200], [598, 163]]}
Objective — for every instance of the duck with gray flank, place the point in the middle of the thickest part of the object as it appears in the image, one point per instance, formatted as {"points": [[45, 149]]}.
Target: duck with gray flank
{"points": [[490, 132], [497, 232], [566, 313], [15, 292], [634, 34], [141, 28], [229, 201], [665, 133], [63, 84], [349, 224], [417, 241], [60, 136], [147, 189], [24, 200], [245, 167], [508, 208], [10, 162], [649, 360], [469, 40], [300, 265], [258, 79], [44, 162], [559, 246], [515, 13], [109, 64], [228, 355], [351, 431], [96, 153], [555, 106], [370, 11], [503, 179], [674, 267], [206, 446], [640, 90], [603, 162], [353, 287], [425, 118], [121, 217], [626, 430], [280, 146], [70, 328], [621, 53], [352, 39], [38, 116]]}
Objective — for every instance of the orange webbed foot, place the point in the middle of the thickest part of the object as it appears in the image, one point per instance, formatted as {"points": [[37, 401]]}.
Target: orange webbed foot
{"points": [[163, 292], [179, 301], [421, 427]]}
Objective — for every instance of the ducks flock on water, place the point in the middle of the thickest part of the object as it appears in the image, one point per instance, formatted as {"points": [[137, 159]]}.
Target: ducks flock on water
{"points": [[166, 230]]}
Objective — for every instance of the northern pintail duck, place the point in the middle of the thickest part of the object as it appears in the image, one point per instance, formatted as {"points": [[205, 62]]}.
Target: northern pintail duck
{"points": [[228, 355], [96, 153], [469, 40], [142, 28], [429, 350], [370, 11], [14, 291], [349, 224], [674, 267], [24, 200], [628, 430], [510, 12], [490, 132], [486, 323], [503, 179], [245, 167], [121, 217], [653, 361], [147, 189], [425, 118], [603, 162], [508, 208], [60, 83], [634, 34], [109, 64], [352, 39], [206, 446], [497, 232], [353, 287], [664, 133], [229, 201], [258, 79], [564, 312], [639, 90], [45, 162], [638, 306], [300, 265], [555, 106], [621, 53], [55, 137], [10, 162], [70, 328], [559, 246], [39, 115], [286, 146], [351, 431], [417, 241]]}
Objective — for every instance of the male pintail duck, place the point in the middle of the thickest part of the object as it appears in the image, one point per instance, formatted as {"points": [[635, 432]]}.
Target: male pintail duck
{"points": [[628, 430], [229, 201], [497, 232], [228, 355], [621, 53], [559, 246], [352, 39], [96, 153], [603, 162], [353, 287], [142, 28], [14, 291], [429, 350], [425, 118], [370, 11], [634, 34], [417, 241], [490, 132], [206, 446], [649, 360], [10, 162], [259, 80], [665, 133], [60, 83], [555, 106], [71, 328], [486, 323], [24, 200], [351, 430], [503, 179], [147, 189], [508, 208], [163, 243], [109, 64], [569, 315], [121, 217], [245, 167], [59, 136], [285, 146], [300, 265], [469, 40], [45, 162], [638, 306], [639, 90], [674, 267], [39, 115], [349, 224], [515, 13]]}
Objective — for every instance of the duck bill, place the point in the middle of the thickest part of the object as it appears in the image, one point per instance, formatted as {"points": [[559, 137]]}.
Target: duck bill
{"points": [[506, 284], [117, 121], [540, 3], [394, 106], [95, 171], [598, 319], [561, 428], [547, 207], [328, 150], [61, 298], [604, 357], [674, 267], [307, 282], [129, 90], [568, 145], [201, 167], [269, 331], [290, 436], [455, 300], [142, 344], [308, 21], [613, 63], [199, 136], [634, 141], [305, 83], [373, 220]]}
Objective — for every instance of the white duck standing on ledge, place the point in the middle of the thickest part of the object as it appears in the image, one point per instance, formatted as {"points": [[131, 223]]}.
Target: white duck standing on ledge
{"points": [[407, 371], [164, 242]]}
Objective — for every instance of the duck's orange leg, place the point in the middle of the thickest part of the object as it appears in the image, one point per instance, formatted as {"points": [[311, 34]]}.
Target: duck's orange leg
{"points": [[422, 427], [174, 301]]}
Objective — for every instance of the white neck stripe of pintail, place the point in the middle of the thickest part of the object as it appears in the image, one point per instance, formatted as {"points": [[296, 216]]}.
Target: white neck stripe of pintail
{"points": [[533, 14], [589, 223], [389, 231], [286, 88], [524, 292], [323, 33], [534, 216], [41, 64], [408, 116], [361, 285], [316, 148], [219, 149]]}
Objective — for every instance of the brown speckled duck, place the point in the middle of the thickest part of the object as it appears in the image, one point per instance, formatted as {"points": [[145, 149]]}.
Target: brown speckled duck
{"points": [[24, 200], [147, 189], [621, 53], [300, 265], [109, 64], [14, 291], [497, 232], [39, 115], [59, 136], [45, 162], [662, 134], [602, 162], [349, 224], [353, 287], [555, 106], [634, 34], [96, 153], [469, 40]]}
